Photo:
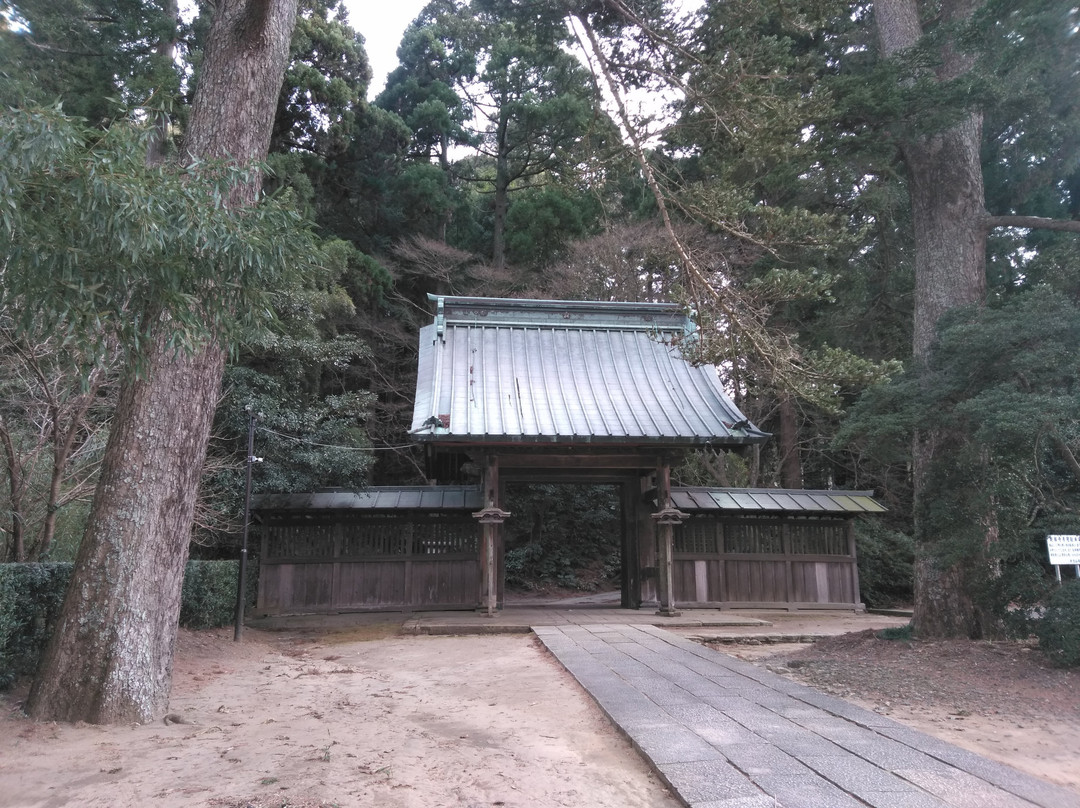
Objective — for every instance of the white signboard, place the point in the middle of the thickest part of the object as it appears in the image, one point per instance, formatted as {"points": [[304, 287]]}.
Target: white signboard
{"points": [[1063, 549]]}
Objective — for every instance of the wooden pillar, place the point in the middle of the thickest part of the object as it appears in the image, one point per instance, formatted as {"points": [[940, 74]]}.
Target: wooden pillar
{"points": [[490, 518], [789, 572], [855, 593], [630, 497], [646, 532], [666, 517]]}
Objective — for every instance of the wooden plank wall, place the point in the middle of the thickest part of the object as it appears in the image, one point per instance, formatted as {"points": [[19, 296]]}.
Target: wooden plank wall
{"points": [[377, 563], [789, 563]]}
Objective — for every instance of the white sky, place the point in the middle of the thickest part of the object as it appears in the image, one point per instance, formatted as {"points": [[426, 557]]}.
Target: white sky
{"points": [[382, 23]]}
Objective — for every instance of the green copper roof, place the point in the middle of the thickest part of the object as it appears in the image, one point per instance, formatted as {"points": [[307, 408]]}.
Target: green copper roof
{"points": [[496, 370]]}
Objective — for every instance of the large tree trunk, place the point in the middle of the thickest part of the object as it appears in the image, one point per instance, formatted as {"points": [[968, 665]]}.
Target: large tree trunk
{"points": [[110, 656], [790, 462], [948, 211], [945, 179], [109, 659]]}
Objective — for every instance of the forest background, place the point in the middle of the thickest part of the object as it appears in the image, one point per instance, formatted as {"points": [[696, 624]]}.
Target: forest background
{"points": [[872, 216]]}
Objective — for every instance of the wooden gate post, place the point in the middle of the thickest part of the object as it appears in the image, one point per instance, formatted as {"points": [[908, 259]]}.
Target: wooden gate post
{"points": [[666, 517], [490, 519], [665, 534]]}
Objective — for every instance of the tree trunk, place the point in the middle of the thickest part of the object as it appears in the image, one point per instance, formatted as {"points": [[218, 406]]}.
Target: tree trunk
{"points": [[16, 540], [950, 271], [110, 655], [502, 195], [948, 212], [109, 658], [790, 467]]}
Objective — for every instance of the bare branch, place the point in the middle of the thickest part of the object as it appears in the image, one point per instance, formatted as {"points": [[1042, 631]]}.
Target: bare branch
{"points": [[1032, 223]]}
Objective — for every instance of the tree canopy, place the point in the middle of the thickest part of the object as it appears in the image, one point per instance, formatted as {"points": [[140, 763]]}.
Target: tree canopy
{"points": [[842, 191]]}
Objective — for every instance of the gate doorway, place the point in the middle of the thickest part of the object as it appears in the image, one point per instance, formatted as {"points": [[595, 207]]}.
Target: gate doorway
{"points": [[563, 540]]}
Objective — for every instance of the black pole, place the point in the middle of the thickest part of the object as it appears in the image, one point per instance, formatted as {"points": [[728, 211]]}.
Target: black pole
{"points": [[241, 583]]}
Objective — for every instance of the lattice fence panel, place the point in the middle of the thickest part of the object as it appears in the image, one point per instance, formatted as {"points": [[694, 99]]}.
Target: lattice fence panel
{"points": [[444, 537], [698, 536], [808, 538], [763, 538], [297, 542], [375, 538]]}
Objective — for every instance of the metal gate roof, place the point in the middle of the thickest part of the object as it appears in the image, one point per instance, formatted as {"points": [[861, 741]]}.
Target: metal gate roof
{"points": [[496, 370]]}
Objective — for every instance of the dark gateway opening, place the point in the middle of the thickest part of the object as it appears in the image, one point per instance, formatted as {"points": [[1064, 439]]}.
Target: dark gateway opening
{"points": [[563, 539]]}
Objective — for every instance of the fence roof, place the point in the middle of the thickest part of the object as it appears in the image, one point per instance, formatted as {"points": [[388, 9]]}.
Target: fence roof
{"points": [[775, 500], [377, 498]]}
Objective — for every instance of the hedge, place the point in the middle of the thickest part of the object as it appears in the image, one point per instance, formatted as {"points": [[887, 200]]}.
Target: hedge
{"points": [[31, 595], [1059, 628]]}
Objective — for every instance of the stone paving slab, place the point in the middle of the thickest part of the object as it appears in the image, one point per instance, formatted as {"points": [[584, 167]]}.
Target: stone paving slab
{"points": [[723, 733]]}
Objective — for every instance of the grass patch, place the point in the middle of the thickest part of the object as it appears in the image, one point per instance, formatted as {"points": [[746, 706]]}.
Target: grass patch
{"points": [[382, 630], [896, 633]]}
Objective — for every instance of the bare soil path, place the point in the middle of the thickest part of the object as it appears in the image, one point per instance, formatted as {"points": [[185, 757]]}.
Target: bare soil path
{"points": [[367, 718], [349, 719]]}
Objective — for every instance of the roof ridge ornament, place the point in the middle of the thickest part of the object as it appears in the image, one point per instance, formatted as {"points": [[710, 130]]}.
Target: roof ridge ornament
{"points": [[440, 317]]}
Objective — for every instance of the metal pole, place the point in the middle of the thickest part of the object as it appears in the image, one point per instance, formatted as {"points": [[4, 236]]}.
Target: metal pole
{"points": [[241, 583]]}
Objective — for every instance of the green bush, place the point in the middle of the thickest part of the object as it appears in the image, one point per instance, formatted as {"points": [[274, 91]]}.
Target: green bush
{"points": [[1059, 629], [208, 599], [30, 598], [31, 595], [886, 564]]}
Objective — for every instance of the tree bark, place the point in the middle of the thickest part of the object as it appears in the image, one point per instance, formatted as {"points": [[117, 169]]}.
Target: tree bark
{"points": [[947, 203], [502, 194], [946, 184], [110, 656], [790, 465], [949, 217], [109, 659], [16, 487]]}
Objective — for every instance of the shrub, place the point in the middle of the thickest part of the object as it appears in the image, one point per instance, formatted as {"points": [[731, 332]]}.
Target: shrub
{"points": [[563, 535], [208, 599], [1059, 629], [31, 595], [886, 564], [30, 598]]}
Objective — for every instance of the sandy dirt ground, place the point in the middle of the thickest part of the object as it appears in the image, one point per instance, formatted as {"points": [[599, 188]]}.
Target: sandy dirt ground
{"points": [[345, 720], [366, 718], [999, 699]]}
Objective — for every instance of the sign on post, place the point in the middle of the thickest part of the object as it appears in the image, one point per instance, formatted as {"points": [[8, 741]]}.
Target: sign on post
{"points": [[1063, 550]]}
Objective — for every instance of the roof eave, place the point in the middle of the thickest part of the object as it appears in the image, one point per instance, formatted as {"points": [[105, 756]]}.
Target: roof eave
{"points": [[585, 440]]}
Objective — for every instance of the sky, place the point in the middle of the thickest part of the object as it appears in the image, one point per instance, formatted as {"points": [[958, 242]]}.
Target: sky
{"points": [[382, 22]]}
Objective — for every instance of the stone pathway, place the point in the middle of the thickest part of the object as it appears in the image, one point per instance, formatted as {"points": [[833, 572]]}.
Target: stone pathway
{"points": [[725, 734]]}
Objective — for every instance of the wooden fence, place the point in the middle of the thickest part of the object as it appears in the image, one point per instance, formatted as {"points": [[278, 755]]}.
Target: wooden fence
{"points": [[378, 562], [766, 562]]}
